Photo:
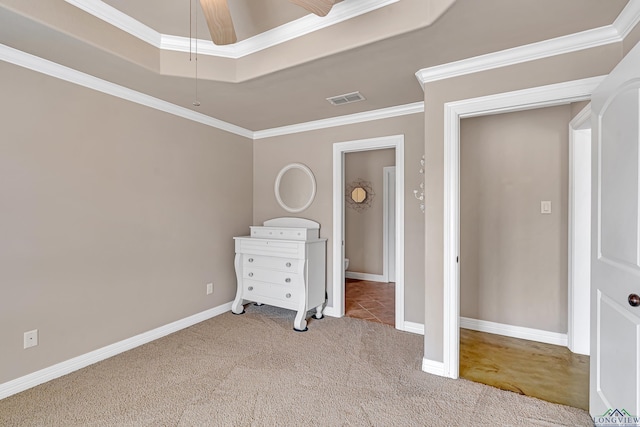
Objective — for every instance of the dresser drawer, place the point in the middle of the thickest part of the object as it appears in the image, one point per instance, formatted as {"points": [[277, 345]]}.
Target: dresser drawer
{"points": [[255, 290], [286, 233], [260, 261], [272, 276], [273, 248]]}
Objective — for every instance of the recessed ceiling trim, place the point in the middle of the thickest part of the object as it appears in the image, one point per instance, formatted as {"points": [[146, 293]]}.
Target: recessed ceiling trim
{"points": [[624, 23], [113, 16], [349, 119], [44, 66], [307, 24]]}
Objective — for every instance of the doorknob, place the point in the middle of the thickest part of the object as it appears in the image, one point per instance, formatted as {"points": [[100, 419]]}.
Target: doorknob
{"points": [[634, 300]]}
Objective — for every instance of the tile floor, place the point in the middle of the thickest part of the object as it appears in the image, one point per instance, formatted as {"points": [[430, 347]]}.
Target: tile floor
{"points": [[373, 301]]}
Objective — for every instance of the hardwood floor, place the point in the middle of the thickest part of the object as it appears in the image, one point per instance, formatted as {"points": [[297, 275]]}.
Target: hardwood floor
{"points": [[373, 301], [545, 371]]}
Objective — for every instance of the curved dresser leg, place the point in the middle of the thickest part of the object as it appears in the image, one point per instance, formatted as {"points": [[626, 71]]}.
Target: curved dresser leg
{"points": [[237, 307], [300, 323], [319, 314]]}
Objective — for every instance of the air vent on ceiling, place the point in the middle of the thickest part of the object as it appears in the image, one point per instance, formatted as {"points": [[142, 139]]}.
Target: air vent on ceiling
{"points": [[347, 98]]}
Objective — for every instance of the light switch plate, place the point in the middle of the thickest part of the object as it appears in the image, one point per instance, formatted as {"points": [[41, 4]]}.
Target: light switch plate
{"points": [[545, 207]]}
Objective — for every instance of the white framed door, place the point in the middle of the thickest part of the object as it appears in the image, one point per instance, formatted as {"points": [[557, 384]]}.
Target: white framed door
{"points": [[615, 237]]}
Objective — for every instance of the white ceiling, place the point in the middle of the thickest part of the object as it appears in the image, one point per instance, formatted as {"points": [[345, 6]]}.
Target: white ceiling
{"points": [[381, 69]]}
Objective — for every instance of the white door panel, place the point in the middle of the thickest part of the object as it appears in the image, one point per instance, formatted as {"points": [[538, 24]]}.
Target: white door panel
{"points": [[615, 263], [619, 178], [618, 346]]}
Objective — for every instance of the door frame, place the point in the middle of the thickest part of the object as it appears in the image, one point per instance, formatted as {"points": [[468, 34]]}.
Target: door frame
{"points": [[538, 97], [579, 259], [339, 150], [388, 229]]}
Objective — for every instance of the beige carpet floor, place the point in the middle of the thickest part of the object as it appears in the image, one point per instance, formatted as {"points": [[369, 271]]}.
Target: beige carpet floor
{"points": [[254, 370]]}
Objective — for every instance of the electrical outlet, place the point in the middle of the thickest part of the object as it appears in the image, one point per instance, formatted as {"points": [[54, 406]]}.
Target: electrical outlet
{"points": [[209, 288], [31, 338]]}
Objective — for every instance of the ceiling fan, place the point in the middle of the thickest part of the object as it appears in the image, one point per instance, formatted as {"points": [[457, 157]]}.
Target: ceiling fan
{"points": [[220, 24]]}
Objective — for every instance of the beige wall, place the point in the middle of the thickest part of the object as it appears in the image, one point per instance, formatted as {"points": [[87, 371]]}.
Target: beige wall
{"points": [[114, 218], [513, 259], [314, 149], [577, 65], [364, 228]]}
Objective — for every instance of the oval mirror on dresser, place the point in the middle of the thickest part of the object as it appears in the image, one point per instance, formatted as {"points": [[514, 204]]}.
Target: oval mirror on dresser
{"points": [[295, 187]]}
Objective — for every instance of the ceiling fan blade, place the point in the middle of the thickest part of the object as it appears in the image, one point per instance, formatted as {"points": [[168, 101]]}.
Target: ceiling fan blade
{"points": [[219, 21], [319, 7]]}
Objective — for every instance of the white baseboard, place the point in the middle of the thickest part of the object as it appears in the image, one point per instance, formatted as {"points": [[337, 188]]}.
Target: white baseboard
{"points": [[331, 312], [365, 276], [63, 368], [514, 331], [433, 367], [414, 328]]}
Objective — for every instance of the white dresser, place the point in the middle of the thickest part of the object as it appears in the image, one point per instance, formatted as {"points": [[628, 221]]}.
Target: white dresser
{"points": [[282, 263]]}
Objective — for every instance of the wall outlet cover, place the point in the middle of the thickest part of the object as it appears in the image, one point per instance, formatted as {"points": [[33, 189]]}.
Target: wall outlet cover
{"points": [[31, 338]]}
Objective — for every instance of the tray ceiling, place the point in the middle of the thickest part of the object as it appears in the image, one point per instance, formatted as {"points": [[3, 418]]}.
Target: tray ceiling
{"points": [[289, 83]]}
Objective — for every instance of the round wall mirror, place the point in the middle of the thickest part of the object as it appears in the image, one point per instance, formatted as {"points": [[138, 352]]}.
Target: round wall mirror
{"points": [[295, 187]]}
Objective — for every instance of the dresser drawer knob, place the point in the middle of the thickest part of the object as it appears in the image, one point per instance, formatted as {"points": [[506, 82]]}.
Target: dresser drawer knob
{"points": [[288, 264], [250, 288], [288, 280], [250, 274], [288, 295], [250, 259]]}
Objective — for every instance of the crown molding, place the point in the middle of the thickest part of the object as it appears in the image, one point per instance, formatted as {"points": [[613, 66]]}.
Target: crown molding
{"points": [[624, 23], [289, 31], [118, 19], [628, 19], [44, 66], [35, 63], [349, 119], [517, 55]]}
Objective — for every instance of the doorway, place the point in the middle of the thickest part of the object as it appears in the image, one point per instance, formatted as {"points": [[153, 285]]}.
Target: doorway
{"points": [[514, 222], [370, 235], [557, 94], [337, 297]]}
